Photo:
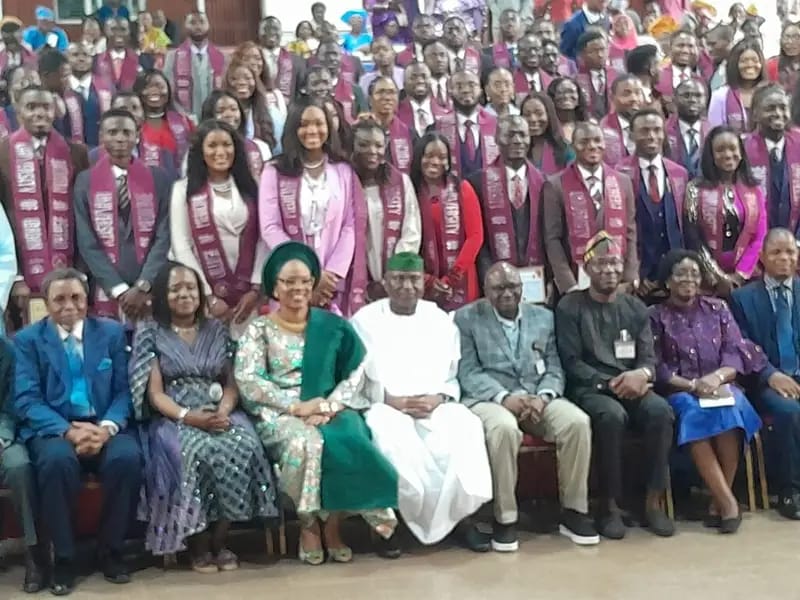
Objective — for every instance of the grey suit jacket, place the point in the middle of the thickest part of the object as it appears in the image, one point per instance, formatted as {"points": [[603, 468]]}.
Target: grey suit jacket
{"points": [[490, 366], [202, 82], [127, 270]]}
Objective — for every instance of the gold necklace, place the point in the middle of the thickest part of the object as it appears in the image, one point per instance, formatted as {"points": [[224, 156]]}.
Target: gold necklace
{"points": [[289, 326], [183, 331]]}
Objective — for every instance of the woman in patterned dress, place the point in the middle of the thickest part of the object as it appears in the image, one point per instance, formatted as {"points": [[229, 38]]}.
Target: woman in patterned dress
{"points": [[205, 464], [300, 370]]}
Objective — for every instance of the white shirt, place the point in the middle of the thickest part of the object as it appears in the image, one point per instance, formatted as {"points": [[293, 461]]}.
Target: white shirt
{"points": [[77, 333], [39, 143], [534, 80], [596, 187], [522, 173], [677, 72], [512, 109], [425, 106], [460, 55], [410, 234], [117, 54], [592, 16], [625, 128], [81, 86], [644, 166], [271, 58], [437, 85], [462, 127], [230, 217], [598, 80], [685, 128], [201, 51], [418, 53], [776, 146]]}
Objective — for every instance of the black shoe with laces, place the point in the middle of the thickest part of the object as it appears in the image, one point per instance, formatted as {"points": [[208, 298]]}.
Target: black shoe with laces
{"points": [[578, 527]]}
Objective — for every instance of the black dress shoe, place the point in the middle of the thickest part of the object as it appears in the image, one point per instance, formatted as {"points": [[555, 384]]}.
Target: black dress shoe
{"points": [[114, 569], [730, 525], [476, 540], [63, 578], [789, 507], [35, 568], [659, 523], [389, 548], [712, 521], [611, 526]]}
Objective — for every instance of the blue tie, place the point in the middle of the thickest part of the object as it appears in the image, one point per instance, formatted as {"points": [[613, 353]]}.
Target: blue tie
{"points": [[79, 393], [786, 348]]}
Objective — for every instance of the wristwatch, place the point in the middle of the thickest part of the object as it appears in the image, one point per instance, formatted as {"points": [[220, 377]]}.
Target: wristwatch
{"points": [[144, 286], [648, 373], [182, 415]]}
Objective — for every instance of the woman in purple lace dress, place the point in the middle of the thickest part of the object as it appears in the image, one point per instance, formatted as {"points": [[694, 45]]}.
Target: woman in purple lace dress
{"points": [[699, 353], [205, 466]]}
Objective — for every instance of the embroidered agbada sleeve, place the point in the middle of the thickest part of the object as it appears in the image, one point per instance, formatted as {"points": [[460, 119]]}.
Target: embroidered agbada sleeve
{"points": [[473, 232], [269, 209], [747, 263], [181, 233], [411, 233], [8, 260], [259, 396]]}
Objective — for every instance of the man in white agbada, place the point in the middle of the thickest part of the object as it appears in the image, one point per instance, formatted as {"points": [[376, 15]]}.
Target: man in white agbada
{"points": [[436, 444]]}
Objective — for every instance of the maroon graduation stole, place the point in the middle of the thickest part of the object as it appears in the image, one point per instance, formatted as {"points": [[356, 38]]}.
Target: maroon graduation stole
{"points": [[756, 150], [254, 159], [447, 125], [5, 126], [711, 212], [521, 86], [677, 179], [343, 92], [394, 211], [665, 85], [73, 103], [182, 79], [284, 80], [406, 114], [226, 283], [616, 58], [104, 214], [549, 164], [581, 215], [615, 145], [501, 55], [179, 126], [43, 223], [584, 81], [104, 67], [29, 58], [400, 144], [734, 110], [499, 220], [347, 70], [472, 60], [440, 249]]}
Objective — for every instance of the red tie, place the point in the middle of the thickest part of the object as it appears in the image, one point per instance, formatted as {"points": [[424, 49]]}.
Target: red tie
{"points": [[653, 185], [469, 139], [518, 192]]}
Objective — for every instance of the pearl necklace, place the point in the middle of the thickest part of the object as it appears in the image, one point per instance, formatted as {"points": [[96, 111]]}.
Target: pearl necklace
{"points": [[315, 165]]}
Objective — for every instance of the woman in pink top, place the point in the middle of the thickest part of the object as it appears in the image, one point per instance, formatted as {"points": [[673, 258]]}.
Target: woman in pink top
{"points": [[311, 195]]}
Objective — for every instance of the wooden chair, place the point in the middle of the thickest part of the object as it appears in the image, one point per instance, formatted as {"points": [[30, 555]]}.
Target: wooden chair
{"points": [[762, 474]]}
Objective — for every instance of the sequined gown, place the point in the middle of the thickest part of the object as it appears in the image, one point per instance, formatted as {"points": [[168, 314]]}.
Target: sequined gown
{"points": [[194, 477]]}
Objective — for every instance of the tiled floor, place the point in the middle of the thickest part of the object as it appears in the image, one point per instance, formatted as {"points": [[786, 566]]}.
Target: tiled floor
{"points": [[759, 563]]}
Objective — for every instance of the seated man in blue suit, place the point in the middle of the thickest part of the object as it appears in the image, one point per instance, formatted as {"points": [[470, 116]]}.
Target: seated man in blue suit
{"points": [[768, 313], [593, 13], [73, 401]]}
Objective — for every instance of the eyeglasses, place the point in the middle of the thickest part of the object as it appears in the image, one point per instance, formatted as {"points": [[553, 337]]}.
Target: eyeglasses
{"points": [[297, 282], [503, 287]]}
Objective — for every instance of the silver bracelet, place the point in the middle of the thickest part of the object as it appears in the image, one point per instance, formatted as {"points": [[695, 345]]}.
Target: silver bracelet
{"points": [[182, 415]]}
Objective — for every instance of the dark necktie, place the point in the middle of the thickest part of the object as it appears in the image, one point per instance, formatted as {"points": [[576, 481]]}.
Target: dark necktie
{"points": [[775, 157], [693, 145], [786, 348], [123, 198], [595, 192], [40, 158], [652, 184], [442, 99], [469, 139], [517, 192]]}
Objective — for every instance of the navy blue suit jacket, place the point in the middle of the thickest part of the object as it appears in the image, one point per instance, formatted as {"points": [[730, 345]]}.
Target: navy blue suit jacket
{"points": [[43, 385], [573, 29], [752, 309]]}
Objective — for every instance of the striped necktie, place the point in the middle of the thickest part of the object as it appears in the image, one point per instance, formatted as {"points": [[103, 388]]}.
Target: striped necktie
{"points": [[123, 197]]}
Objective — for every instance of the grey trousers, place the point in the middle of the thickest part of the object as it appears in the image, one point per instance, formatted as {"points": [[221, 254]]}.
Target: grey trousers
{"points": [[563, 423], [16, 473]]}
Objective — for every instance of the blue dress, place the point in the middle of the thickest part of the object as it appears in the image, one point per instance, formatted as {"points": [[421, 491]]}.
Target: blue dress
{"points": [[695, 341]]}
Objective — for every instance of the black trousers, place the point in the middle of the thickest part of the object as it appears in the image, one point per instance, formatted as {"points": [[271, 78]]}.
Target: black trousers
{"points": [[59, 475], [649, 416]]}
